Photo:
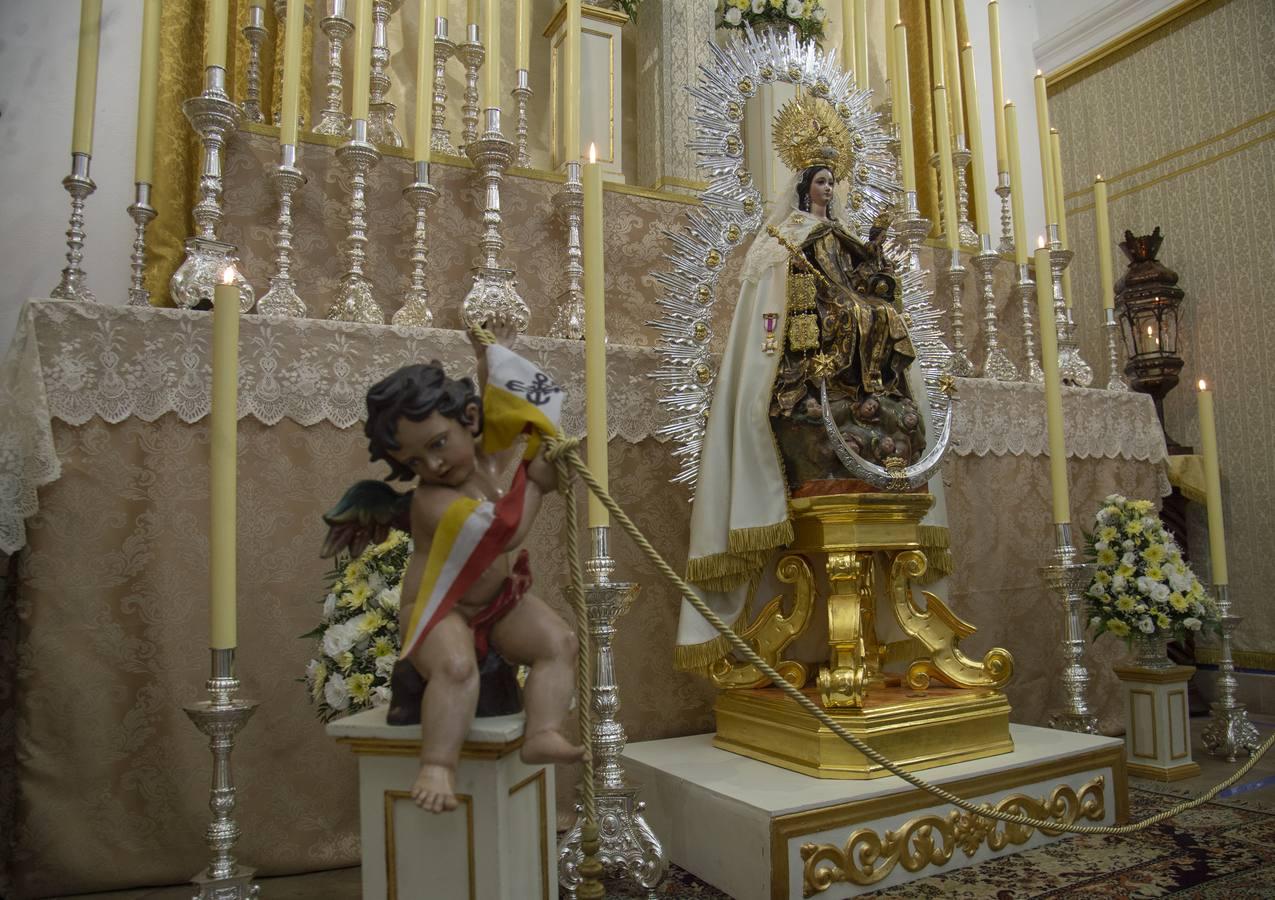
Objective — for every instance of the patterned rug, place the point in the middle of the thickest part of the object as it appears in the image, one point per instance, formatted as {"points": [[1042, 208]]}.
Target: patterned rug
{"points": [[1217, 852]]}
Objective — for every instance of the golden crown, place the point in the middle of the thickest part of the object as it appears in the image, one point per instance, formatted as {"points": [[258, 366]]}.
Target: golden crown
{"points": [[808, 132]]}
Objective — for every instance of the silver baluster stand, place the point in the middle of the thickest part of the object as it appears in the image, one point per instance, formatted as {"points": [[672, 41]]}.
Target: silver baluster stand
{"points": [[1229, 732], [213, 116], [254, 33], [522, 94], [1115, 381], [1074, 370], [221, 717], [74, 282], [355, 302], [440, 139], [1024, 293], [953, 279], [420, 194], [495, 291], [141, 212], [997, 365], [569, 322], [336, 28], [912, 230], [282, 299], [627, 842], [961, 158], [471, 54], [380, 123], [1004, 190], [1069, 577]]}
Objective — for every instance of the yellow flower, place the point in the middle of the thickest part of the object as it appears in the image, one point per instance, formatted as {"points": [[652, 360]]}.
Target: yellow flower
{"points": [[1133, 526], [1103, 578], [1107, 557], [345, 660], [776, 4], [1154, 554], [354, 570], [1118, 628], [1142, 507], [383, 647], [1161, 620], [1108, 533], [360, 687], [1125, 603], [356, 596], [1178, 602], [1124, 570], [320, 678], [371, 623], [1154, 573]]}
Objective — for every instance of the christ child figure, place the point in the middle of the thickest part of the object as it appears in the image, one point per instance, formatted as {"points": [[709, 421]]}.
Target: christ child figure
{"points": [[467, 526]]}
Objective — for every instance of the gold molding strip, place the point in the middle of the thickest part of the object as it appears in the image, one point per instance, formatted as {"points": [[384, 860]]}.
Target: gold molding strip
{"points": [[587, 11], [412, 747], [542, 798], [1243, 659], [391, 851]]}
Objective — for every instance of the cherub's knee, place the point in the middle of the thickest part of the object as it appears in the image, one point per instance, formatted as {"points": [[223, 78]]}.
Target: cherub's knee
{"points": [[564, 644], [457, 668]]}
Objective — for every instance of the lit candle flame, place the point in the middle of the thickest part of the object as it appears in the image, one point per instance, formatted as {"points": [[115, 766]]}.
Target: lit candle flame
{"points": [[1204, 385], [1040, 242], [228, 275], [593, 152]]}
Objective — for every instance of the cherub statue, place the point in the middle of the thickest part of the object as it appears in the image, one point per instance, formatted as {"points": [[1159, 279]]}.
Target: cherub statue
{"points": [[467, 585]]}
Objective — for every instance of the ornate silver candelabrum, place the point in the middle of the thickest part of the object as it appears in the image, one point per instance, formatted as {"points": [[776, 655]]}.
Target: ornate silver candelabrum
{"points": [[522, 94], [997, 365], [627, 842], [1115, 380], [1074, 370], [74, 282], [254, 33], [959, 364], [1229, 732], [213, 116], [912, 229], [1069, 577], [569, 322], [440, 139], [141, 212], [1004, 191], [1024, 293], [380, 123], [961, 158], [495, 292], [421, 195], [221, 717], [471, 54], [354, 302], [282, 298], [337, 29]]}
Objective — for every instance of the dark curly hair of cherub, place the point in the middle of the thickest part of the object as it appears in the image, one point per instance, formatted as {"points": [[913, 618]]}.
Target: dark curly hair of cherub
{"points": [[413, 392]]}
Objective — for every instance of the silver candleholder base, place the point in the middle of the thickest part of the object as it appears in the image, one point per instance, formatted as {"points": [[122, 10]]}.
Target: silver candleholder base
{"points": [[254, 33], [1229, 732], [522, 94], [569, 321], [1115, 381], [494, 293], [961, 158], [1004, 190], [471, 53], [953, 278], [333, 120], [912, 229], [74, 282], [381, 112], [1024, 294], [221, 717], [282, 299], [1069, 578], [1071, 367], [420, 195], [997, 365], [440, 139], [627, 843], [1081, 373], [141, 212], [355, 301]]}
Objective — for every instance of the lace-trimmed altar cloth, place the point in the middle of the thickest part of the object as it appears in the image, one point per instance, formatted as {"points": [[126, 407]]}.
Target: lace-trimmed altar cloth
{"points": [[75, 361]]}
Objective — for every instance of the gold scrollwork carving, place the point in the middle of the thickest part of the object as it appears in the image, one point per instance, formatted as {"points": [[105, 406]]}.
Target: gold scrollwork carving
{"points": [[931, 840], [771, 632]]}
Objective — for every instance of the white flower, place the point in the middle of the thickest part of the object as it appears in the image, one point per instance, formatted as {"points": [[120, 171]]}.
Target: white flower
{"points": [[1117, 583], [1095, 621], [375, 582], [1128, 559], [1160, 592], [1179, 582], [795, 9], [819, 14], [1100, 545], [329, 606], [340, 637], [389, 598], [1127, 545], [759, 6], [1098, 590], [733, 17], [1145, 625], [380, 695], [385, 665], [1192, 623], [336, 693]]}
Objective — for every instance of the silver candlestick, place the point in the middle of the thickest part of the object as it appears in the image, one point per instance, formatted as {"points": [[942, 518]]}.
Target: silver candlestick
{"points": [[961, 158], [254, 33], [1004, 190], [1024, 293], [421, 195], [440, 139], [569, 322], [74, 282], [221, 717], [282, 298], [1229, 732], [355, 302], [1074, 370], [213, 116], [997, 365], [141, 212], [959, 364], [912, 230], [471, 54], [380, 123], [1069, 577], [1115, 381], [1081, 371], [522, 93], [495, 292], [337, 29], [627, 842]]}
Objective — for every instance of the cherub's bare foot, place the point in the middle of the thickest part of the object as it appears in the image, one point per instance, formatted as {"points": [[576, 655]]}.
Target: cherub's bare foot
{"points": [[550, 746], [434, 788]]}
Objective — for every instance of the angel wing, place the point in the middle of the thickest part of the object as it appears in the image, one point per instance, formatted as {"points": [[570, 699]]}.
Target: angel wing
{"points": [[364, 515]]}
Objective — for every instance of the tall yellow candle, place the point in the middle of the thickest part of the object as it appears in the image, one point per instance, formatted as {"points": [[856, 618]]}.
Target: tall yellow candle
{"points": [[998, 85], [1053, 390], [952, 67], [1055, 160], [471, 12], [947, 178], [903, 107], [936, 42], [571, 89], [223, 440], [424, 81], [1102, 218], [595, 334], [861, 71], [491, 64], [1212, 486], [847, 38], [218, 28], [982, 205], [523, 35], [888, 22], [290, 106], [147, 91], [86, 76], [1016, 179], [1046, 150], [360, 91]]}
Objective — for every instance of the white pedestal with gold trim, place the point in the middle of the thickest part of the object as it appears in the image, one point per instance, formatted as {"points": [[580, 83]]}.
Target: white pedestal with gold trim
{"points": [[601, 88], [497, 845], [1158, 724], [759, 832]]}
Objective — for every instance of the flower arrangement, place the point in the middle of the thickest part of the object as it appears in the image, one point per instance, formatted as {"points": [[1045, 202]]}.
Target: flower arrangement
{"points": [[357, 637], [807, 16], [1141, 583]]}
